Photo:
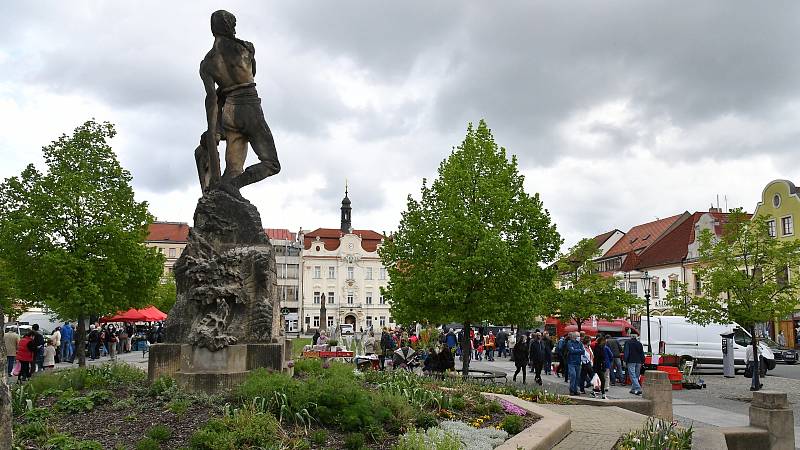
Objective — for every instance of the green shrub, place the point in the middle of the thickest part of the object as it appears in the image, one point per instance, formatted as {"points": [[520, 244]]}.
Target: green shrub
{"points": [[23, 398], [33, 430], [61, 441], [657, 434], [148, 444], [74, 404], [99, 396], [354, 441], [425, 420], [512, 424], [159, 433], [179, 406], [163, 387], [319, 437], [125, 403], [458, 403], [242, 429], [37, 414], [495, 407], [432, 439]]}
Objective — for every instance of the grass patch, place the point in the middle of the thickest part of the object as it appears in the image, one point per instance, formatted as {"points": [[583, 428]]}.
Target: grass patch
{"points": [[298, 344]]}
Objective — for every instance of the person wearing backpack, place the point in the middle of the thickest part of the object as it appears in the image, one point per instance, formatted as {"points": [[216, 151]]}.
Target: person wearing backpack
{"points": [[38, 354]]}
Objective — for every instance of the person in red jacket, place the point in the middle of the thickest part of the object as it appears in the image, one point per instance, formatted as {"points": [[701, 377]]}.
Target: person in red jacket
{"points": [[25, 355]]}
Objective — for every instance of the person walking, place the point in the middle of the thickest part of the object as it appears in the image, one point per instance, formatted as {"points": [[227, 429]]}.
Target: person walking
{"points": [[11, 341], [562, 363], [616, 362], [50, 355], [387, 348], [369, 344], [491, 343], [587, 361], [55, 338], [781, 339], [547, 346], [26, 350], [450, 339], [574, 353], [602, 362], [502, 340], [67, 347], [520, 354], [536, 357], [634, 358]]}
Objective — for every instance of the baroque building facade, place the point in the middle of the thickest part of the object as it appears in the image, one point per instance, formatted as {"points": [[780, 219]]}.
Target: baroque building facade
{"points": [[342, 277]]}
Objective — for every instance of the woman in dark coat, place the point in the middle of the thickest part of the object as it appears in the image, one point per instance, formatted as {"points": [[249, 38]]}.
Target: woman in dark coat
{"points": [[520, 353]]}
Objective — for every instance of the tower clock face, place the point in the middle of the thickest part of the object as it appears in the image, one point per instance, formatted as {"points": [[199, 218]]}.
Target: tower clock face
{"points": [[350, 245]]}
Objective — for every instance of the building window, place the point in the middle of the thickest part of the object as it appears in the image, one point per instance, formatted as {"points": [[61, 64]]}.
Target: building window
{"points": [[771, 225], [308, 321], [776, 201], [316, 297], [331, 272], [330, 321], [787, 225], [351, 273], [673, 287], [368, 298], [698, 286], [316, 321], [292, 271], [654, 289], [782, 277], [621, 285], [382, 321], [291, 293], [383, 273], [368, 275], [171, 252], [350, 298], [382, 300], [331, 298], [391, 320], [633, 288], [317, 272], [369, 321]]}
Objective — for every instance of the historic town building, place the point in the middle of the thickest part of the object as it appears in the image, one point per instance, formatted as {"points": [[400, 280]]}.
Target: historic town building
{"points": [[341, 268], [170, 238], [287, 262]]}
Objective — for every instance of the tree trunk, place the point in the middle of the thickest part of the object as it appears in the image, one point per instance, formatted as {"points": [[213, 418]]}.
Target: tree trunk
{"points": [[466, 354], [80, 341], [579, 322], [6, 415], [756, 380]]}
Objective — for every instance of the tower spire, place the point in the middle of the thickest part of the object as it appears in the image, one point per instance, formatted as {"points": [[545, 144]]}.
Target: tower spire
{"points": [[346, 226]]}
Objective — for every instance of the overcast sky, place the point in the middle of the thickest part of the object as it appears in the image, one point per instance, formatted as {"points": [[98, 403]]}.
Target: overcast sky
{"points": [[619, 112]]}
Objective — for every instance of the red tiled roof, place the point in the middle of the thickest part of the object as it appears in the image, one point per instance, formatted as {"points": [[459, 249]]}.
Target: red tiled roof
{"points": [[641, 236], [602, 238], [721, 219], [330, 238], [168, 232], [280, 233], [672, 247]]}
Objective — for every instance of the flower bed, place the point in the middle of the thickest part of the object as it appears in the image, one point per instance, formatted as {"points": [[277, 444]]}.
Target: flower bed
{"points": [[657, 435], [322, 406]]}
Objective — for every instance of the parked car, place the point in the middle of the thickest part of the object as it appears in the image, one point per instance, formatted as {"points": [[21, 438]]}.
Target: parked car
{"points": [[782, 353], [703, 344]]}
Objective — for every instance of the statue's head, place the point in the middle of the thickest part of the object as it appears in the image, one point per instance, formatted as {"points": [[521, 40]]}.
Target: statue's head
{"points": [[223, 23]]}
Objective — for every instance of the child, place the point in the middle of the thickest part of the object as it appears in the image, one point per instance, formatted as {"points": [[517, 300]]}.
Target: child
{"points": [[49, 355]]}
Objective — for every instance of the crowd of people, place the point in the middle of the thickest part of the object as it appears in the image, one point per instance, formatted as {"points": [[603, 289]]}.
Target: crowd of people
{"points": [[29, 351]]}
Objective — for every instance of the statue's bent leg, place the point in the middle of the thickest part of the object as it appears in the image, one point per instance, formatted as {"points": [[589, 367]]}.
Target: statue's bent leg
{"points": [[260, 137]]}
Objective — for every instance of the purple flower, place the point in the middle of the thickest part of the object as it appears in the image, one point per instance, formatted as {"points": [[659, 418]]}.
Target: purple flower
{"points": [[513, 409]]}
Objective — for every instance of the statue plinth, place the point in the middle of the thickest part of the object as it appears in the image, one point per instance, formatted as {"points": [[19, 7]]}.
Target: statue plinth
{"points": [[226, 319]]}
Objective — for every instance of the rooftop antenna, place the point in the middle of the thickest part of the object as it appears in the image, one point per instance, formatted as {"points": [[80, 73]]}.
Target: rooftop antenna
{"points": [[717, 201], [726, 203]]}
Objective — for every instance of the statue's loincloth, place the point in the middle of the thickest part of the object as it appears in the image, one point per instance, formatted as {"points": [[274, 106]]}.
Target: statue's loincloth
{"points": [[241, 110]]}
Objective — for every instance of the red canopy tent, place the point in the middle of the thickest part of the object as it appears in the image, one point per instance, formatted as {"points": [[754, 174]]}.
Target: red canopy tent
{"points": [[149, 314]]}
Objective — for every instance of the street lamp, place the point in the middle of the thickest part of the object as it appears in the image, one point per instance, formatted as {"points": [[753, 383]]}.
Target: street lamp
{"points": [[646, 285]]}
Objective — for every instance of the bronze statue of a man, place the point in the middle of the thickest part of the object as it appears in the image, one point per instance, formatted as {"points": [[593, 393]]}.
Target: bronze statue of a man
{"points": [[233, 111]]}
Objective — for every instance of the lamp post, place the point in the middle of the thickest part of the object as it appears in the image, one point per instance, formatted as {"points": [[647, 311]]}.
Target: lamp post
{"points": [[646, 285]]}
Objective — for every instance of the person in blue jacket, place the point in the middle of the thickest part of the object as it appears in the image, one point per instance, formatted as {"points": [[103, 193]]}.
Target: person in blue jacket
{"points": [[67, 349], [574, 352]]}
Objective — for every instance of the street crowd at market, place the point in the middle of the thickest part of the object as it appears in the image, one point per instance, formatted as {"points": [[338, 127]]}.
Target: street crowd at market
{"points": [[29, 350]]}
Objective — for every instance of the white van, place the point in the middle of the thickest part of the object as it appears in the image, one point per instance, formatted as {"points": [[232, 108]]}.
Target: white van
{"points": [[702, 344]]}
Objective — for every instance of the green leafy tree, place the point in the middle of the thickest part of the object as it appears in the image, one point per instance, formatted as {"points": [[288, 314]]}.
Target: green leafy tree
{"points": [[165, 293], [744, 277], [73, 235], [8, 296], [470, 250], [585, 293]]}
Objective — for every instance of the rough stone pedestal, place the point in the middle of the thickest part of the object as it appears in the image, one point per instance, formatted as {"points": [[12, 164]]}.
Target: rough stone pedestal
{"points": [[658, 389], [770, 411]]}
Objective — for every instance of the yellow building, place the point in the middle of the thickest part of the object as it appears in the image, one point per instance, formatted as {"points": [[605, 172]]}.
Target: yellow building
{"points": [[170, 238]]}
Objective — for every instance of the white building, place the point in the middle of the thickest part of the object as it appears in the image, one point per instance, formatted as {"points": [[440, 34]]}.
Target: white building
{"points": [[341, 267], [287, 263]]}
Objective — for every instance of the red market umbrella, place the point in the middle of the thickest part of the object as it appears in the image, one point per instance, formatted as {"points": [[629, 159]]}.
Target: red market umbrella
{"points": [[131, 315], [152, 314]]}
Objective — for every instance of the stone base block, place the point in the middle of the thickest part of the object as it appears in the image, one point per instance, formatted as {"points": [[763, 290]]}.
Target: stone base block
{"points": [[209, 383], [201, 370], [164, 359]]}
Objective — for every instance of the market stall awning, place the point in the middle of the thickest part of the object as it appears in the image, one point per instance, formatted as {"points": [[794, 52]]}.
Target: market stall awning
{"points": [[149, 314]]}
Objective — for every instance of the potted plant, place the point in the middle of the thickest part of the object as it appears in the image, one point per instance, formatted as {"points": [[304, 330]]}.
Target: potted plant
{"points": [[332, 343], [668, 359]]}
